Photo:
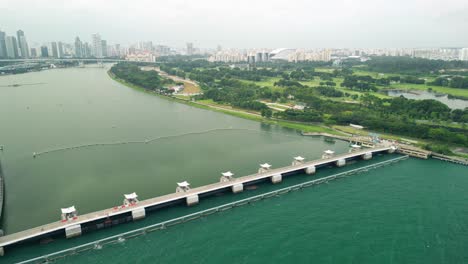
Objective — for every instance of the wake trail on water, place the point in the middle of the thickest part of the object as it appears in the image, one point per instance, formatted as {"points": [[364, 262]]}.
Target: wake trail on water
{"points": [[147, 141]]}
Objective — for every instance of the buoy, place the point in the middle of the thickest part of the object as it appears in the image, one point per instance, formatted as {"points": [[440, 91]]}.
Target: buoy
{"points": [[34, 154]]}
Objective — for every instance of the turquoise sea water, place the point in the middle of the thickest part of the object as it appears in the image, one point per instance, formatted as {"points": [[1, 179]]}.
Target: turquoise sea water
{"points": [[412, 212]]}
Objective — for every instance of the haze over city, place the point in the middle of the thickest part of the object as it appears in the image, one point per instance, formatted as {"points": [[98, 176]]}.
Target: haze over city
{"points": [[246, 24]]}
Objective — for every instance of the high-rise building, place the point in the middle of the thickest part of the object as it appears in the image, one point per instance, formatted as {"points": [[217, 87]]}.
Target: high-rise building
{"points": [[78, 48], [104, 48], [86, 50], [44, 52], [3, 51], [54, 49], [22, 44], [189, 48], [11, 47], [464, 54], [97, 45], [60, 49], [33, 53]]}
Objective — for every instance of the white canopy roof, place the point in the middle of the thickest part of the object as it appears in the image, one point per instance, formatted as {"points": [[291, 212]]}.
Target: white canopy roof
{"points": [[228, 174], [329, 151], [355, 146], [183, 184], [265, 165], [132, 195], [299, 158], [68, 210]]}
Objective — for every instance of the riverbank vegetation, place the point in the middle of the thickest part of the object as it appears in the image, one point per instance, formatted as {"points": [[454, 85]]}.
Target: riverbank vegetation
{"points": [[326, 95]]}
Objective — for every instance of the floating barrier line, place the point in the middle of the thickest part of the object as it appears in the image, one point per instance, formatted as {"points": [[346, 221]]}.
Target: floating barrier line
{"points": [[97, 244], [147, 141]]}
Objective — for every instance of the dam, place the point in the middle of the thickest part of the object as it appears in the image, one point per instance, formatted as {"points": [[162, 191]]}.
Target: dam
{"points": [[74, 225]]}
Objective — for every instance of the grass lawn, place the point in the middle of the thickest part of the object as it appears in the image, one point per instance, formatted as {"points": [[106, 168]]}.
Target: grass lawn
{"points": [[190, 88]]}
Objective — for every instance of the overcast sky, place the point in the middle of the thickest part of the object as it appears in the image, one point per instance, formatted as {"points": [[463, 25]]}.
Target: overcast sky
{"points": [[244, 23]]}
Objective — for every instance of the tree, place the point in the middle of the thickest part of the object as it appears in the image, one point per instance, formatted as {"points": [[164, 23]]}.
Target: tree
{"points": [[267, 113]]}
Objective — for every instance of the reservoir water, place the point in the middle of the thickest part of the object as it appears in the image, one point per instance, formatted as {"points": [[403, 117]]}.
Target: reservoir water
{"points": [[414, 211], [422, 95], [76, 106]]}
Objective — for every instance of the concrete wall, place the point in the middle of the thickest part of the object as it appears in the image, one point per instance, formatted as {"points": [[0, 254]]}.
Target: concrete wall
{"points": [[276, 178], [340, 162], [310, 170], [192, 200], [138, 213], [73, 231], [236, 188]]}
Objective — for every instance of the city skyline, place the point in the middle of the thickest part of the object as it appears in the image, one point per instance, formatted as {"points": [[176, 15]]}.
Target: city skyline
{"points": [[301, 24]]}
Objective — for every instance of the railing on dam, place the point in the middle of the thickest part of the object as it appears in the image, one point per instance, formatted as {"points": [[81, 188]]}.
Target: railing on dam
{"points": [[99, 244]]}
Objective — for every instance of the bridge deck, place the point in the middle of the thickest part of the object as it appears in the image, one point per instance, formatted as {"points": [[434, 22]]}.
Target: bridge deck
{"points": [[55, 226]]}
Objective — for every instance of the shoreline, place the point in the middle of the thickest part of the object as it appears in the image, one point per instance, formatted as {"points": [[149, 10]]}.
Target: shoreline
{"points": [[300, 127]]}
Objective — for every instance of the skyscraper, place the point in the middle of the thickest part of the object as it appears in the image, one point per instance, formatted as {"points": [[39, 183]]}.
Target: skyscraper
{"points": [[11, 47], [44, 51], [78, 48], [189, 48], [60, 49], [22, 44], [104, 48], [54, 49], [86, 50], [33, 53], [3, 53], [463, 54], [97, 45]]}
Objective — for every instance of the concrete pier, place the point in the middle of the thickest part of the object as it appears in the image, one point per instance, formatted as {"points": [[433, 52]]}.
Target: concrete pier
{"points": [[340, 162], [73, 231], [192, 200], [236, 188], [367, 156], [138, 213], [310, 170], [277, 178]]}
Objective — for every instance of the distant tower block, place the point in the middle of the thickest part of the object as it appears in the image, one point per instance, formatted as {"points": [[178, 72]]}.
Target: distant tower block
{"points": [[264, 168], [298, 160], [327, 154], [69, 213], [392, 149], [340, 162], [130, 199], [310, 170], [226, 176], [354, 148], [367, 156], [183, 187], [277, 178]]}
